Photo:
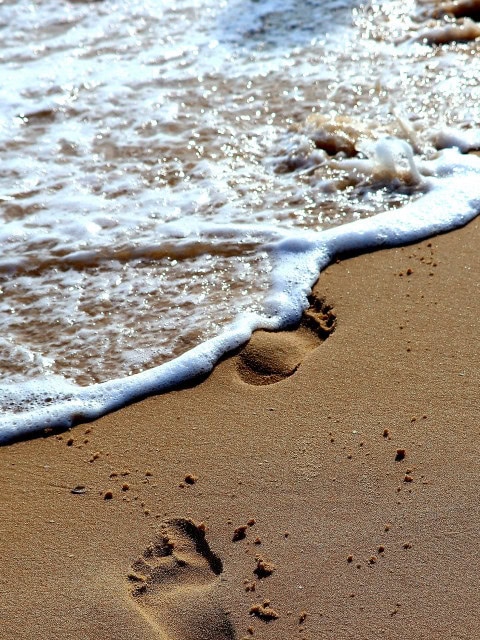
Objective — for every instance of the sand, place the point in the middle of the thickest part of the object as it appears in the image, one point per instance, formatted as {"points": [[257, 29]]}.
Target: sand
{"points": [[333, 494]]}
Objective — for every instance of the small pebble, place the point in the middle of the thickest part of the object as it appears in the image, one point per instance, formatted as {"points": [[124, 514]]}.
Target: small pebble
{"points": [[79, 489]]}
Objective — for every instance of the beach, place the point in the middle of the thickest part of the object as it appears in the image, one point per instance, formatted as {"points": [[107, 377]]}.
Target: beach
{"points": [[194, 443], [340, 501]]}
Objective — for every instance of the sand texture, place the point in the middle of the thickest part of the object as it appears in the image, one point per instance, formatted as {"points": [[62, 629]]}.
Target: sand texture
{"points": [[322, 483]]}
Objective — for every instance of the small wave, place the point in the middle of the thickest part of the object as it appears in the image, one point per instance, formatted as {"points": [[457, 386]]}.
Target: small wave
{"points": [[450, 201]]}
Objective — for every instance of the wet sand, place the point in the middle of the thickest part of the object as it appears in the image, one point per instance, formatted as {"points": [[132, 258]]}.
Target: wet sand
{"points": [[338, 502]]}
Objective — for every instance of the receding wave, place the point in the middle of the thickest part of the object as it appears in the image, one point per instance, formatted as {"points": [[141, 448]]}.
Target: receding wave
{"points": [[177, 178]]}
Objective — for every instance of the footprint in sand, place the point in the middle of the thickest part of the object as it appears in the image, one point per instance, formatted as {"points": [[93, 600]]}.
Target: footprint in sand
{"points": [[175, 584], [272, 356]]}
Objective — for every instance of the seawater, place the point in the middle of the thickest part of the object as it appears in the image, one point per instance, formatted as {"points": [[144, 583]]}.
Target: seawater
{"points": [[175, 174]]}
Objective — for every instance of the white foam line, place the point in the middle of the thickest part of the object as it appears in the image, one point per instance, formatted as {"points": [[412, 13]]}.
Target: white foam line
{"points": [[452, 200]]}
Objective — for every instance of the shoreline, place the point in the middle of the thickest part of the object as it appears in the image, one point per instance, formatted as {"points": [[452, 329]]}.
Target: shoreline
{"points": [[297, 261], [362, 540]]}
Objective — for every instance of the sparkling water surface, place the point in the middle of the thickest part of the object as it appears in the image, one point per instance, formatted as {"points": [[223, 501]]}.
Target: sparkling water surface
{"points": [[154, 152]]}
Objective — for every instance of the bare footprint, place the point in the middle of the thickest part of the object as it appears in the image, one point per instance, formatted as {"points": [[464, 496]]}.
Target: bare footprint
{"points": [[272, 356], [175, 583]]}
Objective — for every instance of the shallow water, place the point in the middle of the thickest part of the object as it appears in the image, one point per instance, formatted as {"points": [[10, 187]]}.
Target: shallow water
{"points": [[153, 153]]}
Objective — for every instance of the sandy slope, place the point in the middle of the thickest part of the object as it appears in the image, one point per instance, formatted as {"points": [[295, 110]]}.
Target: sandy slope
{"points": [[350, 487]]}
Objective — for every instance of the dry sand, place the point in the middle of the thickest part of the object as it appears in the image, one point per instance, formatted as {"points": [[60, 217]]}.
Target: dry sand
{"points": [[339, 502]]}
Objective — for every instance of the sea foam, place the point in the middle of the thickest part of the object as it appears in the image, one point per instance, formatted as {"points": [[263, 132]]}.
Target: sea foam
{"points": [[451, 199], [177, 178]]}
